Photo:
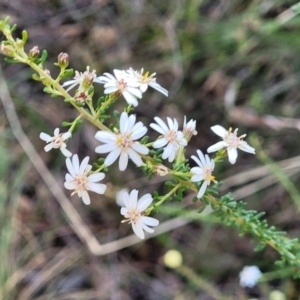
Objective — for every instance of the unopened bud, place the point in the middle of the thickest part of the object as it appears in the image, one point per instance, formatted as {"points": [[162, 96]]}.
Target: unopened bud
{"points": [[88, 78], [189, 129], [63, 60], [161, 170], [82, 97], [34, 52], [47, 72], [8, 50]]}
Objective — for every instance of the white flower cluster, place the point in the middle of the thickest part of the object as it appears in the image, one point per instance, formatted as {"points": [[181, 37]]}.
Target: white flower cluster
{"points": [[129, 83], [123, 143]]}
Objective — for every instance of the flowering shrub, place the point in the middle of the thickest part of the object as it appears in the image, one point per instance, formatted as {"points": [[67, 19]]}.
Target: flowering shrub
{"points": [[125, 141]]}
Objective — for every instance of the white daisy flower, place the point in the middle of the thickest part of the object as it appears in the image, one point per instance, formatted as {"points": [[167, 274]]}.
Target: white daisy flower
{"points": [[133, 211], [145, 80], [123, 142], [84, 80], [249, 276], [78, 179], [189, 128], [171, 137], [123, 84], [230, 141], [203, 172], [56, 141]]}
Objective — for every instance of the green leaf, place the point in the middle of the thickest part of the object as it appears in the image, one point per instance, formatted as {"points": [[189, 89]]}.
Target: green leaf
{"points": [[67, 73], [43, 57], [24, 36], [11, 60]]}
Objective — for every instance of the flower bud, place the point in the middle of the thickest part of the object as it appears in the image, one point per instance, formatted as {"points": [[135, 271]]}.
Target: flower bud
{"points": [[34, 52], [8, 50], [88, 78], [47, 72], [82, 97], [161, 170], [63, 60], [189, 129]]}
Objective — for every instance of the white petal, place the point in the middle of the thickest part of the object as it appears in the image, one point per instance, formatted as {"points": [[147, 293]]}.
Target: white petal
{"points": [[70, 185], [202, 189], [45, 137], [96, 177], [123, 122], [232, 155], [143, 87], [245, 147], [202, 158], [138, 230], [48, 147], [65, 152], [69, 82], [162, 124], [66, 135], [124, 212], [106, 148], [75, 163], [144, 202], [70, 167], [197, 160], [112, 156], [110, 90], [123, 161], [216, 147], [159, 88], [197, 178], [158, 128], [86, 198], [160, 143], [68, 177], [171, 124], [149, 221], [140, 148], [133, 198], [134, 91], [219, 130], [130, 99], [56, 131], [105, 136], [98, 188], [137, 134], [134, 157], [84, 164]]}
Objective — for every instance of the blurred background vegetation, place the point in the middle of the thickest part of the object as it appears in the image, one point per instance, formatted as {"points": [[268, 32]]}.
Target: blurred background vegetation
{"points": [[230, 62]]}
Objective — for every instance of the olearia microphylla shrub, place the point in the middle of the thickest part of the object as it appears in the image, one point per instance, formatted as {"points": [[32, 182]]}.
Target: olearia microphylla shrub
{"points": [[126, 142]]}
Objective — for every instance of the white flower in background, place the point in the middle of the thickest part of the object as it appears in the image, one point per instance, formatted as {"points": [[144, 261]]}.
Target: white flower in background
{"points": [[56, 141], [189, 129], [123, 142], [78, 179], [171, 137], [230, 141], [203, 172], [249, 276], [84, 80], [123, 84], [145, 80], [133, 211], [120, 196]]}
